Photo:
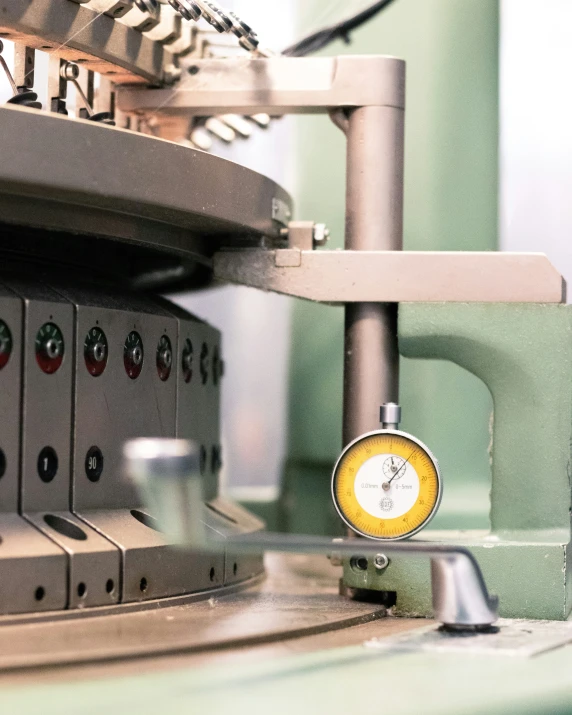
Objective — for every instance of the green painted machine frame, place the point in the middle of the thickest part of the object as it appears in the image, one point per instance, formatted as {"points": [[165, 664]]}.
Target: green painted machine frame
{"points": [[523, 353]]}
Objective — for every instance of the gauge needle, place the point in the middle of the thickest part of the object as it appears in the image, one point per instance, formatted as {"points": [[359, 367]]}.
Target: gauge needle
{"points": [[385, 486]]}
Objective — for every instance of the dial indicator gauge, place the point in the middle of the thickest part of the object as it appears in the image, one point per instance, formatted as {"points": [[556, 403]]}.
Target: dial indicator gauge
{"points": [[386, 485]]}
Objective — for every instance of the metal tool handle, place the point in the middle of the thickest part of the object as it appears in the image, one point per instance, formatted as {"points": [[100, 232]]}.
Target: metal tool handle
{"points": [[167, 472]]}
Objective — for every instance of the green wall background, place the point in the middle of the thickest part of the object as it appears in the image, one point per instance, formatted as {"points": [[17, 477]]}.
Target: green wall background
{"points": [[451, 169]]}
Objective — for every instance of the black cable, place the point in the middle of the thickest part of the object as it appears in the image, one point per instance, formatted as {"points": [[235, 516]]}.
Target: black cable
{"points": [[322, 38]]}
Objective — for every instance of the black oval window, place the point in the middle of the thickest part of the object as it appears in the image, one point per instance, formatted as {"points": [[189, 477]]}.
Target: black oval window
{"points": [[65, 527]]}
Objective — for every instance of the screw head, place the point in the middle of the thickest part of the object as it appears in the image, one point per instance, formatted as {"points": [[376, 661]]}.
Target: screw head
{"points": [[381, 562]]}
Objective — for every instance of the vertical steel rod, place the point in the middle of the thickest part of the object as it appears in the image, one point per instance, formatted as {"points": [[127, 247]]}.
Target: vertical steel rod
{"points": [[374, 222]]}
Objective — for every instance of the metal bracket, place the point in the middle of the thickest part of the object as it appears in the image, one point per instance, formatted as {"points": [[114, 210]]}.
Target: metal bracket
{"points": [[276, 85], [393, 276]]}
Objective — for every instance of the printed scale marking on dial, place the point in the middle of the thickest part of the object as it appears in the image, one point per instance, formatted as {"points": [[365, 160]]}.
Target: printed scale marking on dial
{"points": [[386, 485]]}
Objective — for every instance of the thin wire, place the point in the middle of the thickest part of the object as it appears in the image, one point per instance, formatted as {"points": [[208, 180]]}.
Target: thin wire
{"points": [[341, 30], [327, 14]]}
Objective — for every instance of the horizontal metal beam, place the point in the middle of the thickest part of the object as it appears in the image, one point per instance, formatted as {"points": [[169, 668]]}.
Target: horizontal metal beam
{"points": [[396, 276], [277, 85], [75, 33]]}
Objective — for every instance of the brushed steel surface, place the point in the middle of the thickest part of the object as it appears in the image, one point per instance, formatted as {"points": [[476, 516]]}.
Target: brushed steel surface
{"points": [[399, 276]]}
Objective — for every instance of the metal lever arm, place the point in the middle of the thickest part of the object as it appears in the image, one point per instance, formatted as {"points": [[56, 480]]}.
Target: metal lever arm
{"points": [[460, 595], [167, 472]]}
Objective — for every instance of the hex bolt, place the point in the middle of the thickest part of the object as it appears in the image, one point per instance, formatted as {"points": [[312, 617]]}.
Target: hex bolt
{"points": [[381, 562], [321, 234]]}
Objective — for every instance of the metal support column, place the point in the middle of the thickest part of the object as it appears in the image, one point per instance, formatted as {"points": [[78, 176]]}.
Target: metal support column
{"points": [[374, 222]]}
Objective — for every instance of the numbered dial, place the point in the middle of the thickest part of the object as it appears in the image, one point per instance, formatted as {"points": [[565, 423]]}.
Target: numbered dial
{"points": [[49, 348], [5, 344], [133, 355], [95, 351], [386, 485]]}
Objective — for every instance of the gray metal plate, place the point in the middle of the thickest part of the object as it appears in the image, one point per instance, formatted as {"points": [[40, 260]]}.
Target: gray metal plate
{"points": [[33, 569], [11, 312], [151, 567], [232, 519], [46, 410], [94, 562], [198, 400], [113, 408]]}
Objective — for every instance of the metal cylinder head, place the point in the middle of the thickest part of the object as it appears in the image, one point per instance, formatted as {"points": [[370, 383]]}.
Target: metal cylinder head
{"points": [[160, 459], [390, 415], [70, 71]]}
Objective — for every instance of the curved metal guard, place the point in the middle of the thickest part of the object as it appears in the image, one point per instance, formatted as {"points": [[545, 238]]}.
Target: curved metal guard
{"points": [[460, 596]]}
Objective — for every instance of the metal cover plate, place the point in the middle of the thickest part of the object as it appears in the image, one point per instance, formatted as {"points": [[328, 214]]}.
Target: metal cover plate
{"points": [[143, 192]]}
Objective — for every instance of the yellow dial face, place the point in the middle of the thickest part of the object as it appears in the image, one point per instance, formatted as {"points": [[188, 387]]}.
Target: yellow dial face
{"points": [[386, 485]]}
